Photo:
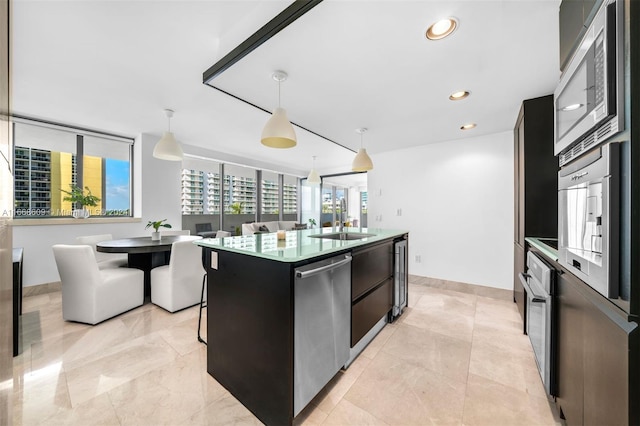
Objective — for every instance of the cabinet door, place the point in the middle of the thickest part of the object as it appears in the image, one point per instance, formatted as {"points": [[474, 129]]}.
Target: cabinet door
{"points": [[571, 305], [593, 356], [370, 267], [571, 24], [606, 368]]}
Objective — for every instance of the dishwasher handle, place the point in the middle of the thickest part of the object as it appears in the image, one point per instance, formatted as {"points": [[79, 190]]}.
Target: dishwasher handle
{"points": [[535, 298], [312, 272]]}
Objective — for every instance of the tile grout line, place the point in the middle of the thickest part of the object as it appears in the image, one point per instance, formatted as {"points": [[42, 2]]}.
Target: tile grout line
{"points": [[466, 386]]}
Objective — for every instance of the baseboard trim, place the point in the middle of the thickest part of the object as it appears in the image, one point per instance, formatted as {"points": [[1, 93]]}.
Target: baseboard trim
{"points": [[478, 290], [34, 290]]}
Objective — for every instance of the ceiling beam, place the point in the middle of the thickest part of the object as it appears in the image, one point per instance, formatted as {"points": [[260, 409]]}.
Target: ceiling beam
{"points": [[271, 28]]}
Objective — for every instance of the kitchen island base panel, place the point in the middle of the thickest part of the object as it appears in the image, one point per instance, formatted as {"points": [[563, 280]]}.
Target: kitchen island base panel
{"points": [[251, 310], [250, 320]]}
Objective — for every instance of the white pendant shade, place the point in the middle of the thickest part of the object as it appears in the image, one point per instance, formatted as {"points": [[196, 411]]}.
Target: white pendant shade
{"points": [[278, 132], [168, 148], [362, 162], [313, 178]]}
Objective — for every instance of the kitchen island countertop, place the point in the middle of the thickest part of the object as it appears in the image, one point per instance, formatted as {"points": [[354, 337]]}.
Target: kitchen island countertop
{"points": [[547, 250], [297, 245]]}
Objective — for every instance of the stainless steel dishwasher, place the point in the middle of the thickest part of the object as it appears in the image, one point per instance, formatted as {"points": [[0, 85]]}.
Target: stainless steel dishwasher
{"points": [[322, 326]]}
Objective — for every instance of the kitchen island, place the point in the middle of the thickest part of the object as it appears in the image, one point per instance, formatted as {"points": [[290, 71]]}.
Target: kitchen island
{"points": [[271, 314]]}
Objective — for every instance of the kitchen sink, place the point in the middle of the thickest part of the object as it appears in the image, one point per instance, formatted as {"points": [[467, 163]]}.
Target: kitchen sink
{"points": [[343, 236]]}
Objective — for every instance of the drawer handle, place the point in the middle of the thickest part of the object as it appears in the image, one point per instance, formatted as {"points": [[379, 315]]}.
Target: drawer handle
{"points": [[525, 284]]}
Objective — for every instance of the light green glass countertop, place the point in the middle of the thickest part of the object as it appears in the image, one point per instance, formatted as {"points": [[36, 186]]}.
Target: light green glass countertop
{"points": [[538, 243], [297, 245]]}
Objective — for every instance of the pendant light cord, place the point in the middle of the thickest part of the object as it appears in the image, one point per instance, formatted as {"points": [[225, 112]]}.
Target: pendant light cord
{"points": [[279, 82]]}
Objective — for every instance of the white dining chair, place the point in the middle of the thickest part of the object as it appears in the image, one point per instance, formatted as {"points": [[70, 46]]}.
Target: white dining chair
{"points": [[176, 232], [92, 295], [105, 260], [177, 285]]}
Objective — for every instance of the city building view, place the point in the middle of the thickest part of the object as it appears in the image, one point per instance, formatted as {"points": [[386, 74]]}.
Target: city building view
{"points": [[201, 194]]}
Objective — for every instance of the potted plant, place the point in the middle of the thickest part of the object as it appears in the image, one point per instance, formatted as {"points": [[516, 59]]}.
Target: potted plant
{"points": [[156, 225], [80, 200], [312, 223]]}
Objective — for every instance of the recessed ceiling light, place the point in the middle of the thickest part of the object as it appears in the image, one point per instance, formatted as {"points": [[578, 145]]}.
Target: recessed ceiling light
{"points": [[468, 126], [461, 94], [442, 28]]}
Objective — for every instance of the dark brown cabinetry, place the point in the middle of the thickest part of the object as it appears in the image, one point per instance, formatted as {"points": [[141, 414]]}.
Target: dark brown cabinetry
{"points": [[575, 16], [570, 339], [594, 351], [535, 183], [371, 287]]}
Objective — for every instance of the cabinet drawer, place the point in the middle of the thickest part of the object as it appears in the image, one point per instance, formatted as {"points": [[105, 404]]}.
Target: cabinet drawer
{"points": [[368, 311], [370, 267]]}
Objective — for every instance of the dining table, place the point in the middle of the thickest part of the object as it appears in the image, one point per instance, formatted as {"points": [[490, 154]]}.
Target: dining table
{"points": [[143, 253]]}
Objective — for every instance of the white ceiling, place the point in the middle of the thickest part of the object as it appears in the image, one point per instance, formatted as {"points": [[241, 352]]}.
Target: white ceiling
{"points": [[115, 65]]}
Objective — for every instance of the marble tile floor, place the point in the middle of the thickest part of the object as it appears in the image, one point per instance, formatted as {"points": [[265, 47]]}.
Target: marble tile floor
{"points": [[451, 358]]}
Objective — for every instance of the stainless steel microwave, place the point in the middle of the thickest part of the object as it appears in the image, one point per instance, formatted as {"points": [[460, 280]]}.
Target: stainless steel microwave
{"points": [[589, 99]]}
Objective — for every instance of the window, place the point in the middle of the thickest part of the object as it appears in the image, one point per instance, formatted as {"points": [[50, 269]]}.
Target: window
{"points": [[193, 195], [270, 193], [327, 199], [200, 187], [49, 159], [364, 197], [239, 190], [290, 195], [243, 195]]}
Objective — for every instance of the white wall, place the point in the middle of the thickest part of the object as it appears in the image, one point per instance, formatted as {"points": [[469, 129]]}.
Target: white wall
{"points": [[456, 199], [157, 189]]}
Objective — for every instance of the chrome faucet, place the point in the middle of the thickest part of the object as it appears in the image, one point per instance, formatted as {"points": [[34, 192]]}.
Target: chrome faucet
{"points": [[343, 207]]}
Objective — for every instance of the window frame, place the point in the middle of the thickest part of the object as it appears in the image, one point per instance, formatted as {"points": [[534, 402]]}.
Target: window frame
{"points": [[80, 133]]}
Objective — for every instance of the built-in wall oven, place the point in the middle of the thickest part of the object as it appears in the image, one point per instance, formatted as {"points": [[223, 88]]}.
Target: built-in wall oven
{"points": [[588, 225], [539, 284], [589, 99]]}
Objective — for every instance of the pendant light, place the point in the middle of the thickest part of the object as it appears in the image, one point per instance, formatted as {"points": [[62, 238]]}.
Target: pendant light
{"points": [[168, 147], [278, 132], [362, 162], [314, 177]]}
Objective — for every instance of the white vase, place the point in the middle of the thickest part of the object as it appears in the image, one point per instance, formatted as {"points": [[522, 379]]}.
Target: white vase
{"points": [[155, 236], [80, 213]]}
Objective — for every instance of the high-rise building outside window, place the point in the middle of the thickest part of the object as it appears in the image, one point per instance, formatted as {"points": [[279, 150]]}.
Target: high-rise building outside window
{"points": [[364, 198], [193, 197], [290, 195], [201, 190], [270, 193], [239, 190]]}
